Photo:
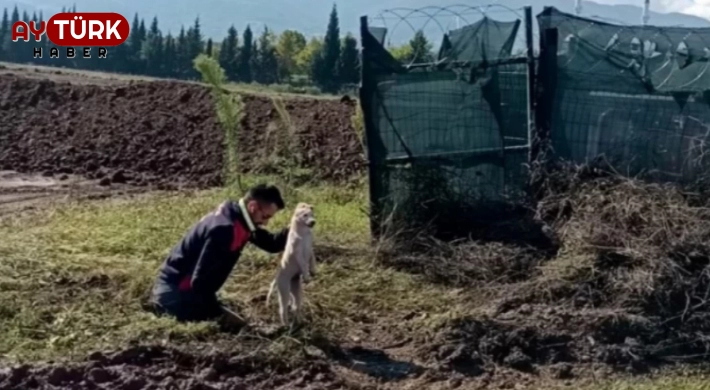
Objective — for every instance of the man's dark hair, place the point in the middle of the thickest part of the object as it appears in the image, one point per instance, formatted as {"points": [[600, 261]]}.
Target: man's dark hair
{"points": [[266, 194]]}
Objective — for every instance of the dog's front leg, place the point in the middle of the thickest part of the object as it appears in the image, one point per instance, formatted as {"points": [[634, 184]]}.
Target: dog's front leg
{"points": [[304, 264], [312, 259]]}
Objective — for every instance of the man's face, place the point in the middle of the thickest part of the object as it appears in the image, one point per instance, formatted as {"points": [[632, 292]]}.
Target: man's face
{"points": [[261, 213]]}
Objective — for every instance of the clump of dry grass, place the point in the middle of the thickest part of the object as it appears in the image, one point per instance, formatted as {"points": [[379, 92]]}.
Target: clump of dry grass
{"points": [[631, 273], [636, 249], [633, 245], [464, 263]]}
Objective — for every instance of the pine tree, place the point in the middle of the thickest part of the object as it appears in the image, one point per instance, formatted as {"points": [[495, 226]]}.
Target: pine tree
{"points": [[348, 63], [142, 31], [135, 42], [5, 35], [267, 64], [152, 50], [228, 52], [141, 36], [254, 62], [45, 44], [245, 57], [24, 49], [182, 55], [325, 75], [13, 50], [197, 45], [169, 56], [194, 47], [317, 70], [208, 49]]}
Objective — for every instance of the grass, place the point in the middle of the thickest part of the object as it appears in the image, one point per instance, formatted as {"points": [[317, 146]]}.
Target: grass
{"points": [[72, 279]]}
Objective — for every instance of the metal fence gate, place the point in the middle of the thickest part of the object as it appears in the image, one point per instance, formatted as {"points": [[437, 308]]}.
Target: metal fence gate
{"points": [[448, 133]]}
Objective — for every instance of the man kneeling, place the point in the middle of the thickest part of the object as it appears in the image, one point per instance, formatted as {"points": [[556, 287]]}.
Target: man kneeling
{"points": [[198, 266]]}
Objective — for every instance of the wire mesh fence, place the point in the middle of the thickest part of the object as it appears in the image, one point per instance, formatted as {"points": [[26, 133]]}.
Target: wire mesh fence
{"points": [[634, 95], [447, 125]]}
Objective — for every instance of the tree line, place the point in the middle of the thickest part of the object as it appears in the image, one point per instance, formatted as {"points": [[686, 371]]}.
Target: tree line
{"points": [[250, 56]]}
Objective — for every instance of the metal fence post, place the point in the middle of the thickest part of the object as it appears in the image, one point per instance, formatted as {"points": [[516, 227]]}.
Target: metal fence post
{"points": [[531, 77], [366, 92], [546, 85]]}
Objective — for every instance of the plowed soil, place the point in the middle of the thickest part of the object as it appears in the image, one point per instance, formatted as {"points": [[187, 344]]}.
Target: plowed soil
{"points": [[158, 133]]}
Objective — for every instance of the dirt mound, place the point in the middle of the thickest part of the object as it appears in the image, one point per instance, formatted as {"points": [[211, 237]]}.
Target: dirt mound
{"points": [[145, 367], [467, 263], [629, 285], [162, 133]]}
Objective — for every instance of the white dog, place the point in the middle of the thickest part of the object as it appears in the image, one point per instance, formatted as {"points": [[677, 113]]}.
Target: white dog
{"points": [[297, 261]]}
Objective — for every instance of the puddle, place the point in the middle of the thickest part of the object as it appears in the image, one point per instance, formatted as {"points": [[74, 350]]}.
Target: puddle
{"points": [[378, 364], [21, 191], [12, 179]]}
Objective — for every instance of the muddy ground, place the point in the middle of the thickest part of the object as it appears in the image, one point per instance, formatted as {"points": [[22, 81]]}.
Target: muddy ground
{"points": [[158, 367], [21, 192], [605, 300]]}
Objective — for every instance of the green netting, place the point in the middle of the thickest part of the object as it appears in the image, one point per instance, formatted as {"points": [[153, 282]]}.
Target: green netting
{"points": [[379, 34], [450, 135], [484, 40], [631, 58], [632, 94], [447, 136]]}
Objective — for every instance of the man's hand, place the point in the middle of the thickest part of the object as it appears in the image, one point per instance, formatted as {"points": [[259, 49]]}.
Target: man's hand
{"points": [[307, 278]]}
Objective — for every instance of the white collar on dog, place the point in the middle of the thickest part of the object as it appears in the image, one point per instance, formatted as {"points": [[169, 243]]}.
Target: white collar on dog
{"points": [[245, 214]]}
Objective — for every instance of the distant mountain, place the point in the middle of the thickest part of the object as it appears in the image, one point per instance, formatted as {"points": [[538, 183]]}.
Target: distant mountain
{"points": [[311, 16]]}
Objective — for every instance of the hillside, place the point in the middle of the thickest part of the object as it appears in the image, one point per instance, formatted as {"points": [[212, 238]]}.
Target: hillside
{"points": [[311, 16]]}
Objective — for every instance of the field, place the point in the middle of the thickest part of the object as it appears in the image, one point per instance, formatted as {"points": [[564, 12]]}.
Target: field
{"points": [[100, 175]]}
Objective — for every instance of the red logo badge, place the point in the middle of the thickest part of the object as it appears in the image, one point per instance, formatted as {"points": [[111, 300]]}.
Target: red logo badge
{"points": [[87, 29]]}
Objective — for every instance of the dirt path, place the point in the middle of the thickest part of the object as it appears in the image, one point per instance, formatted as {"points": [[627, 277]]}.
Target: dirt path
{"points": [[24, 192]]}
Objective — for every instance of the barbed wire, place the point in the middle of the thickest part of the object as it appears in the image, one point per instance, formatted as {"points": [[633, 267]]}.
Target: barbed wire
{"points": [[402, 24]]}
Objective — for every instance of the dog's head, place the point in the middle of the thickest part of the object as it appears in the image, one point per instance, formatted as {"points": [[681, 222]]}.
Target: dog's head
{"points": [[304, 215]]}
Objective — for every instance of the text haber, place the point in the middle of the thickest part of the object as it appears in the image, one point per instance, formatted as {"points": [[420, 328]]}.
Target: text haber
{"points": [[87, 29]]}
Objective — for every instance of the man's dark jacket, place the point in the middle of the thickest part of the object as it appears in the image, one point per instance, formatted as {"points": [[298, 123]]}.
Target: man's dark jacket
{"points": [[200, 263]]}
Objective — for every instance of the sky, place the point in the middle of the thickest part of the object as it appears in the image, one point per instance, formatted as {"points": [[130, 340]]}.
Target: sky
{"points": [[694, 7]]}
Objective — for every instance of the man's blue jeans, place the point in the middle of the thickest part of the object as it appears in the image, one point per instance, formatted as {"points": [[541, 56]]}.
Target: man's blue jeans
{"points": [[185, 305]]}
